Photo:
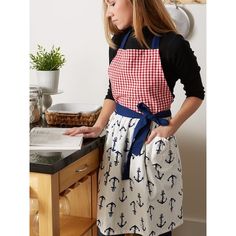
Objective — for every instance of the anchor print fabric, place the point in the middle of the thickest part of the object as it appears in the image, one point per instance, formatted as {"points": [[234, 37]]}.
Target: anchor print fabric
{"points": [[150, 201]]}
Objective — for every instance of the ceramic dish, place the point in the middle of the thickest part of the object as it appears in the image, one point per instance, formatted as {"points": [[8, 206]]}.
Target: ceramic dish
{"points": [[74, 108]]}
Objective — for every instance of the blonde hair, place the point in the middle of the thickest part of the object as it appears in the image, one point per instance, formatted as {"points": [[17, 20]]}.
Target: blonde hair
{"points": [[149, 13]]}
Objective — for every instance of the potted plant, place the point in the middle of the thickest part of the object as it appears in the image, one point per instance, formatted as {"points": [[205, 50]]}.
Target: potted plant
{"points": [[47, 65]]}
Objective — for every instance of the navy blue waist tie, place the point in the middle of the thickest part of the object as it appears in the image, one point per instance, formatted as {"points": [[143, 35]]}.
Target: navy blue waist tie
{"points": [[141, 130]]}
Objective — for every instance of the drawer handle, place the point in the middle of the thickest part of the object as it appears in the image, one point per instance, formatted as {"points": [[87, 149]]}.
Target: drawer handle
{"points": [[83, 169]]}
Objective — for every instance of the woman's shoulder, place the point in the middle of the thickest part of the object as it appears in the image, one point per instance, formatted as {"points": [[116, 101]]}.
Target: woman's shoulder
{"points": [[173, 45], [172, 41]]}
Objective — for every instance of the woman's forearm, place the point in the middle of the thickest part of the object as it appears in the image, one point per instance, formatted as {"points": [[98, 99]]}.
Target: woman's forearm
{"points": [[189, 106], [107, 109]]}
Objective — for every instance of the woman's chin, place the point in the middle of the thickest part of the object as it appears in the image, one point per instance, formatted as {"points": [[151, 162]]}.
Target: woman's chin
{"points": [[122, 27]]}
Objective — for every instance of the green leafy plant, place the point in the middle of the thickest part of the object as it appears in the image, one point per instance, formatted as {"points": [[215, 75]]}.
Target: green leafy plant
{"points": [[43, 60]]}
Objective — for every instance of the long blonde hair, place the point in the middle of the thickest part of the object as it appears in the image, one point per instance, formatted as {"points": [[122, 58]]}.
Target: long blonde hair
{"points": [[149, 13]]}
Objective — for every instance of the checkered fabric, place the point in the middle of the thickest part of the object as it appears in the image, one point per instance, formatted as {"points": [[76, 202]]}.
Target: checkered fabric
{"points": [[137, 76]]}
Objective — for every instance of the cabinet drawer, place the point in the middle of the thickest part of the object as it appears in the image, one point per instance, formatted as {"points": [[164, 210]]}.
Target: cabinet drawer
{"points": [[77, 170]]}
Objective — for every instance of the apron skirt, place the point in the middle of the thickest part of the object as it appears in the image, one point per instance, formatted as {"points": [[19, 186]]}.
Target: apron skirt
{"points": [[149, 202]]}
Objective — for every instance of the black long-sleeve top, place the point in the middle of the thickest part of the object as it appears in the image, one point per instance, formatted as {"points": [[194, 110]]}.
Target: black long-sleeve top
{"points": [[177, 58]]}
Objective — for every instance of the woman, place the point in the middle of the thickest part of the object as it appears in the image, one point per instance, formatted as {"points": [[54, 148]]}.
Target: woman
{"points": [[140, 178]]}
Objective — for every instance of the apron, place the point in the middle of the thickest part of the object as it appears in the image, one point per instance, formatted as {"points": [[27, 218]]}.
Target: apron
{"points": [[139, 185]]}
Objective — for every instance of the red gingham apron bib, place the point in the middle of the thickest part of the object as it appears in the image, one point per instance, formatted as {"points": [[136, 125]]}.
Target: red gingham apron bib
{"points": [[136, 76], [149, 202]]}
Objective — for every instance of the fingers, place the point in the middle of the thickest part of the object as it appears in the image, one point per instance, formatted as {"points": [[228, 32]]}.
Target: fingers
{"points": [[161, 131], [72, 131], [88, 132], [78, 130], [151, 137]]}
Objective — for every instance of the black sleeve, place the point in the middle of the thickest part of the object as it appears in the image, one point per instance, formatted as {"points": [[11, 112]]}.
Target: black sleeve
{"points": [[109, 93], [186, 67], [112, 54]]}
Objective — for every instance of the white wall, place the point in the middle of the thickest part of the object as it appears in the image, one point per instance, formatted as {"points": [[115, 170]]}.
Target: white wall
{"points": [[76, 26], [192, 137]]}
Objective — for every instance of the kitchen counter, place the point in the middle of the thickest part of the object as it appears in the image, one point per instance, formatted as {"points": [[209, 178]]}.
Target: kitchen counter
{"points": [[68, 174], [54, 162]]}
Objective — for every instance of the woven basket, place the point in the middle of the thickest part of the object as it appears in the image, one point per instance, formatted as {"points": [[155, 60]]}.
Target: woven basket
{"points": [[67, 119]]}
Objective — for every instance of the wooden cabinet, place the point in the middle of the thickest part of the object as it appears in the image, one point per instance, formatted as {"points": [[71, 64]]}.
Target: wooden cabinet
{"points": [[79, 179], [77, 170]]}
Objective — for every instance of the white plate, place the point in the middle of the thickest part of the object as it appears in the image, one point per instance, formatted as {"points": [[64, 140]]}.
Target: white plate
{"points": [[180, 18], [74, 108]]}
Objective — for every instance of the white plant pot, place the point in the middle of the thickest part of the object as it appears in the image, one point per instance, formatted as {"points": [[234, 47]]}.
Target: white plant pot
{"points": [[48, 80]]}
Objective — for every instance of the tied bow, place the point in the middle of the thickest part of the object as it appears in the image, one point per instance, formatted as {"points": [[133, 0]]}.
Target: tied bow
{"points": [[143, 126], [140, 131]]}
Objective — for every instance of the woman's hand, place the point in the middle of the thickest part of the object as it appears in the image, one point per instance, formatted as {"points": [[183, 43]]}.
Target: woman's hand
{"points": [[161, 131], [88, 132], [96, 130]]}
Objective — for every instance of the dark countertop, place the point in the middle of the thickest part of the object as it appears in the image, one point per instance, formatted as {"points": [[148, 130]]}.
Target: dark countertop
{"points": [[42, 163], [50, 163]]}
